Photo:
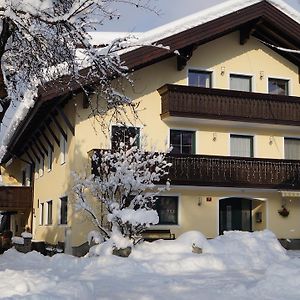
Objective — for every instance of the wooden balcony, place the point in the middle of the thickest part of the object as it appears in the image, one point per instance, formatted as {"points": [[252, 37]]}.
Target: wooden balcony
{"points": [[223, 171], [15, 198], [205, 103], [228, 171]]}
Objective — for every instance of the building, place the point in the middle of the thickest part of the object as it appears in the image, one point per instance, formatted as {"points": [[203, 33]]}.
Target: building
{"points": [[226, 96]]}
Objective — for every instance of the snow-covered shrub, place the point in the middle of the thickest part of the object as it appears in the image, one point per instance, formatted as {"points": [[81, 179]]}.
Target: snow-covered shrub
{"points": [[126, 186]]}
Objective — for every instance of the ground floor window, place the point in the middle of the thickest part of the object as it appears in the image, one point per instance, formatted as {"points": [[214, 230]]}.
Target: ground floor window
{"points": [[64, 210], [49, 212], [167, 209]]}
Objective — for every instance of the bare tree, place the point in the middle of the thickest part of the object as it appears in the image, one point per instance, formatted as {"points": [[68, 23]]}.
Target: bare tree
{"points": [[41, 40]]}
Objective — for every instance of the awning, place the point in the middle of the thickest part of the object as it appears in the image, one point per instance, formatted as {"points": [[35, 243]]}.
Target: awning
{"points": [[290, 194]]}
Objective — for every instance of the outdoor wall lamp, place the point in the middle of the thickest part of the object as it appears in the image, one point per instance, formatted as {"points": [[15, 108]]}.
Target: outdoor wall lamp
{"points": [[261, 75], [214, 136], [199, 201], [222, 70], [271, 140]]}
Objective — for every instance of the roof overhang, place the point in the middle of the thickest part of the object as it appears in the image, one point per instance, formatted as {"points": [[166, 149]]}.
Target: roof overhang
{"points": [[261, 20]]}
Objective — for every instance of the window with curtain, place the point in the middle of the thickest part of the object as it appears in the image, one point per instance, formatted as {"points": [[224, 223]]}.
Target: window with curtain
{"points": [[199, 78], [278, 86], [240, 83], [167, 209], [182, 141], [123, 134], [292, 148], [241, 145]]}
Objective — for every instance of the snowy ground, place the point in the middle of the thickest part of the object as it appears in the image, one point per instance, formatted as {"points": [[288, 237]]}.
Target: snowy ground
{"points": [[234, 266]]}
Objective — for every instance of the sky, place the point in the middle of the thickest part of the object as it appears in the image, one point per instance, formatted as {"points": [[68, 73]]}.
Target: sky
{"points": [[133, 19]]}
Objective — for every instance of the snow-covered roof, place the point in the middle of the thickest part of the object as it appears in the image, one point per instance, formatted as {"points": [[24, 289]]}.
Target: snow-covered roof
{"points": [[104, 38], [190, 21]]}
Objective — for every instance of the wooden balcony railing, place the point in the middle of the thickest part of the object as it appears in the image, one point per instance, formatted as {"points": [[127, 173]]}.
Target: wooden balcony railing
{"points": [[200, 170], [228, 171], [196, 102], [15, 198]]}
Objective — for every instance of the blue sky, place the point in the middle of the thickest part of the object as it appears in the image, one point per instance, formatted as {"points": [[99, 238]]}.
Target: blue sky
{"points": [[133, 19]]}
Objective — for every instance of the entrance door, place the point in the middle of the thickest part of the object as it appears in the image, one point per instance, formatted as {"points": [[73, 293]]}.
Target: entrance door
{"points": [[235, 214]]}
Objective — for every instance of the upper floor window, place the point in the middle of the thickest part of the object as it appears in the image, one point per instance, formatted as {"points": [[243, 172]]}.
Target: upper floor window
{"points": [[63, 149], [167, 209], [241, 145], [278, 86], [292, 148], [199, 78], [182, 141], [130, 136], [240, 83]]}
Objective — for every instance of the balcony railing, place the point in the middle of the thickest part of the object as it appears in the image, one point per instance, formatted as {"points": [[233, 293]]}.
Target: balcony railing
{"points": [[15, 198], [196, 102], [200, 170], [228, 171]]}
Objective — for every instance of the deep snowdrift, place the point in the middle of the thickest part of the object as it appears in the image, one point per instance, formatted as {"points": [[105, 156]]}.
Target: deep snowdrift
{"points": [[238, 265]]}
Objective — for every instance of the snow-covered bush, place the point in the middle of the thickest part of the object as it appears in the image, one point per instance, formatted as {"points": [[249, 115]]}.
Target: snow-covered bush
{"points": [[126, 186]]}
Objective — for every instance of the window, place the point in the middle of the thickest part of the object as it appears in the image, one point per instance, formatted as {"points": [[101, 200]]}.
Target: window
{"points": [[167, 209], [63, 149], [240, 83], [64, 210], [49, 212], [41, 213], [278, 86], [292, 148], [49, 159], [241, 145], [122, 134], [199, 78], [183, 142]]}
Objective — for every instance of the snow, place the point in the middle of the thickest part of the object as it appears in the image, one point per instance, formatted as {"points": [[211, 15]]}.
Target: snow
{"points": [[26, 234], [210, 14], [235, 266], [17, 240]]}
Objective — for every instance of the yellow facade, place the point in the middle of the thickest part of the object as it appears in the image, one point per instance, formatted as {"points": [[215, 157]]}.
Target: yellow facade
{"points": [[223, 56]]}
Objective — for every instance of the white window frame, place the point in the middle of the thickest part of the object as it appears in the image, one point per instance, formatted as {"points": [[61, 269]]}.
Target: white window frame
{"points": [[284, 147], [251, 76], [289, 81], [243, 135], [200, 70]]}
